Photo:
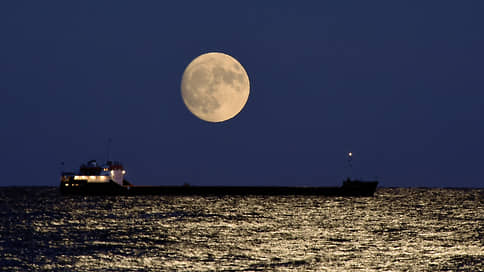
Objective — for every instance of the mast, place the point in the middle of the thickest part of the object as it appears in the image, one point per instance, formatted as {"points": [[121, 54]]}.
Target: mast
{"points": [[350, 164], [108, 148]]}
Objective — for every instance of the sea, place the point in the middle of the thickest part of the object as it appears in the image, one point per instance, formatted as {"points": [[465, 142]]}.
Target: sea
{"points": [[399, 229]]}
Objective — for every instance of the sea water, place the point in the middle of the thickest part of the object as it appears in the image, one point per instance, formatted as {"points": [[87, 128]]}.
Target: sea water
{"points": [[396, 230]]}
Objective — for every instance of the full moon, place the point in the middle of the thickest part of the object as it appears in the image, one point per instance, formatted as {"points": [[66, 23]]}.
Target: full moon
{"points": [[215, 87]]}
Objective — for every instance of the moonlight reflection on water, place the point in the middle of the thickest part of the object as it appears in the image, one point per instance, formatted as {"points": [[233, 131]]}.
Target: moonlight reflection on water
{"points": [[398, 229]]}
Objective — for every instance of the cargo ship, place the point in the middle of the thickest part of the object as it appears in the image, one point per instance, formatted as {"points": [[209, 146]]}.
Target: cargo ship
{"points": [[108, 179]]}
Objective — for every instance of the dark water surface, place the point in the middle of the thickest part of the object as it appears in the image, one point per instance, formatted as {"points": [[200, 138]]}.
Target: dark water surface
{"points": [[397, 230]]}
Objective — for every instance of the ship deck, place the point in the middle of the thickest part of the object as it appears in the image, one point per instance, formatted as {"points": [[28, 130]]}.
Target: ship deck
{"points": [[98, 189]]}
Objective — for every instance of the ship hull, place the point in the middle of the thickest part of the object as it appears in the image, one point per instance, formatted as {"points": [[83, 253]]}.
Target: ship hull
{"points": [[111, 188], [83, 187]]}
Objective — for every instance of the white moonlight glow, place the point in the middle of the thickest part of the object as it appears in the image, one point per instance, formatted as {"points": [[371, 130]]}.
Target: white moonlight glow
{"points": [[215, 87]]}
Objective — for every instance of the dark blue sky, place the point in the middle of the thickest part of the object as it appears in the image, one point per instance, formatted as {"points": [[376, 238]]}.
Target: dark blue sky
{"points": [[399, 84]]}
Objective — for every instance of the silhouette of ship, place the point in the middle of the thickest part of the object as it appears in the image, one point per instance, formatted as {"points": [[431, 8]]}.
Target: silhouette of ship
{"points": [[108, 179]]}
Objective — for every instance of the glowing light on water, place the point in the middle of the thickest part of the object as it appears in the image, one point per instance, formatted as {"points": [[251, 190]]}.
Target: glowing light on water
{"points": [[400, 229]]}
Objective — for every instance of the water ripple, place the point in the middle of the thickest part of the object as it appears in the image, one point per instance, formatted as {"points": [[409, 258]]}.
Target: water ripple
{"points": [[399, 229]]}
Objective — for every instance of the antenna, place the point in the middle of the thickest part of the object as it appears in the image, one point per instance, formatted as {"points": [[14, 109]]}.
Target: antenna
{"points": [[108, 147], [61, 167]]}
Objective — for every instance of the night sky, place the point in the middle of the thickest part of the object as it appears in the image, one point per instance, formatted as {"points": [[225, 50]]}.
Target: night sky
{"points": [[401, 85]]}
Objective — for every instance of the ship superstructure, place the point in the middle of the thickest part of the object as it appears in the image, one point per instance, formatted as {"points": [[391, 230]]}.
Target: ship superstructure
{"points": [[94, 177]]}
